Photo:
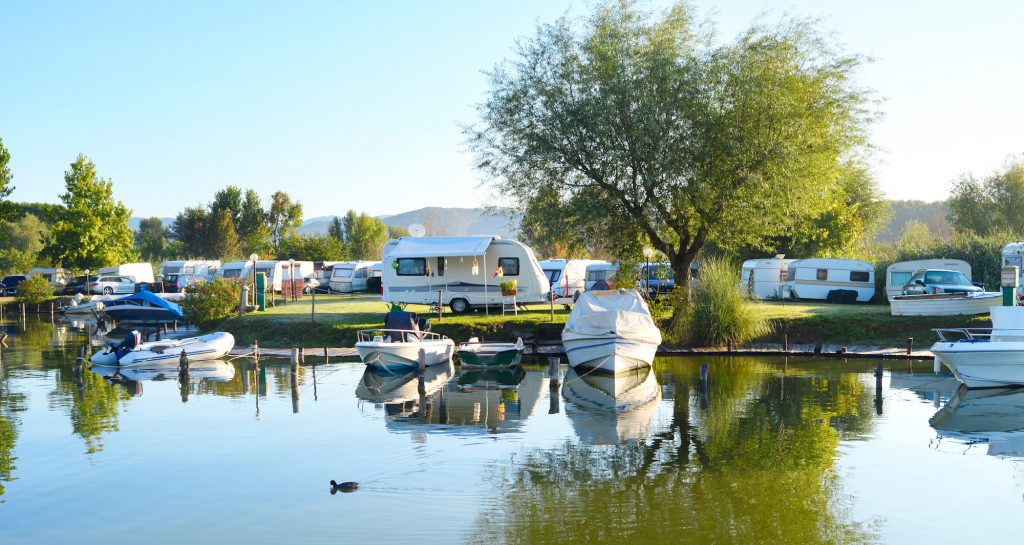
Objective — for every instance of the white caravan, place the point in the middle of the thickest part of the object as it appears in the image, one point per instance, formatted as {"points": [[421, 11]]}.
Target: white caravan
{"points": [[463, 269], [898, 274], [350, 276], [601, 270], [1013, 254], [235, 269], [139, 272], [197, 267], [764, 278], [567, 277], [815, 278], [58, 278], [279, 270]]}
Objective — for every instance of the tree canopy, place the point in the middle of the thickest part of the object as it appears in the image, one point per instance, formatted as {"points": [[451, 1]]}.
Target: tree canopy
{"points": [[652, 132], [991, 205], [90, 230], [7, 210]]}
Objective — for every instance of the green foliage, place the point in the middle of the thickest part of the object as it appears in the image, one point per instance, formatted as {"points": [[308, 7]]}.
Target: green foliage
{"points": [[336, 230], [207, 303], [397, 231], [252, 226], [990, 205], [284, 216], [222, 240], [365, 236], [21, 242], [151, 240], [7, 209], [652, 131], [16, 261], [311, 248], [716, 313], [90, 230], [34, 290], [190, 228], [508, 285]]}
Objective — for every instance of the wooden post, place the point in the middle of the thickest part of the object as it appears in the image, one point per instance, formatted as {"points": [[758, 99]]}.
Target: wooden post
{"points": [[553, 371], [551, 300], [302, 355], [422, 360], [295, 358], [183, 362], [256, 350], [878, 388], [440, 305], [910, 345]]}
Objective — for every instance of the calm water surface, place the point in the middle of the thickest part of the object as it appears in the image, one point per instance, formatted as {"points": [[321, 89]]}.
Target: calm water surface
{"points": [[775, 451]]}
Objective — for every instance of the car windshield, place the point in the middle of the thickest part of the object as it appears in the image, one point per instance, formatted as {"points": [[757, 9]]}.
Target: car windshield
{"points": [[948, 278], [78, 280], [172, 278]]}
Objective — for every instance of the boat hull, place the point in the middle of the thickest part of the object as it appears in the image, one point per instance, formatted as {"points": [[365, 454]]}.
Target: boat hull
{"points": [[399, 356], [983, 364], [205, 347], [609, 355], [141, 315], [931, 305], [508, 357]]}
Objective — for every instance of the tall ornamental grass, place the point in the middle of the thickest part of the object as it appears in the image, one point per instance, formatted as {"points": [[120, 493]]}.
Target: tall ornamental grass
{"points": [[716, 313]]}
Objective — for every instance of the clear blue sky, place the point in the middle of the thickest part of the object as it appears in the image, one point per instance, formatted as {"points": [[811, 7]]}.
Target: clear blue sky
{"points": [[357, 104]]}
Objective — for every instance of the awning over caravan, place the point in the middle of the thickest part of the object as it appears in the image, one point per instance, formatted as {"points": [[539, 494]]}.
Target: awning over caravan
{"points": [[440, 246]]}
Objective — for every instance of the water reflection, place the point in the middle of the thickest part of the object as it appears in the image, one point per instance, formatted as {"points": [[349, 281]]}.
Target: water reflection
{"points": [[402, 394], [131, 379], [611, 409], [989, 416]]}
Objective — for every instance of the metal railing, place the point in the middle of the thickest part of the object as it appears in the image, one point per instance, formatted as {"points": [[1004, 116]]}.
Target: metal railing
{"points": [[976, 333], [396, 335]]}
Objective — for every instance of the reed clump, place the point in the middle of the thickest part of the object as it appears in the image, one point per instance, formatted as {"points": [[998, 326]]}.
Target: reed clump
{"points": [[715, 313]]}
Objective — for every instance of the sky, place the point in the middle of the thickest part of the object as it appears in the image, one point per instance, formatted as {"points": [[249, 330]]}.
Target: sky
{"points": [[359, 104]]}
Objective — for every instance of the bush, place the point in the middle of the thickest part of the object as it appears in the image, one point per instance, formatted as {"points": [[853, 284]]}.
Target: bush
{"points": [[716, 313], [34, 290], [508, 286], [207, 303]]}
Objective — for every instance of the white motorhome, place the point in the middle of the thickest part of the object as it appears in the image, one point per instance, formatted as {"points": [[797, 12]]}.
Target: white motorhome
{"points": [[567, 277], [350, 276], [198, 267], [764, 278], [139, 272], [58, 278], [280, 270], [898, 275], [601, 270], [815, 278], [463, 269]]}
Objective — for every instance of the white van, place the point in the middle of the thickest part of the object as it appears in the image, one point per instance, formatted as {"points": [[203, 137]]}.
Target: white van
{"points": [[463, 269], [815, 278], [601, 270], [898, 275], [764, 278], [350, 276], [567, 277], [138, 272]]}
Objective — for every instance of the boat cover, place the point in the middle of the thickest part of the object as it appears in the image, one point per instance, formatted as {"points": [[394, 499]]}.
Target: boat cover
{"points": [[1008, 324], [619, 313], [153, 300], [440, 246]]}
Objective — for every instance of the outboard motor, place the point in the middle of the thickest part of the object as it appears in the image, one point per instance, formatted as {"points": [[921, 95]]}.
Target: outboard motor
{"points": [[130, 342]]}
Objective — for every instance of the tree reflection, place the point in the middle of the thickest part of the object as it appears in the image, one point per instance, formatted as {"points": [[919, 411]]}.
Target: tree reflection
{"points": [[755, 466], [91, 401], [10, 404]]}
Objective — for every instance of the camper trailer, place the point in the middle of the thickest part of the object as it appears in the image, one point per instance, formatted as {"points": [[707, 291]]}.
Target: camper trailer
{"points": [[465, 270], [235, 269], [898, 275], [58, 278], [601, 270], [764, 278], [350, 276], [567, 277], [138, 272], [200, 268], [816, 278], [279, 270]]}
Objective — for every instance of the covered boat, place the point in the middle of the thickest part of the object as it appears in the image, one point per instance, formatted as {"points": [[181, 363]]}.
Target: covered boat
{"points": [[397, 345], [143, 307], [131, 352], [475, 353], [986, 358], [611, 331]]}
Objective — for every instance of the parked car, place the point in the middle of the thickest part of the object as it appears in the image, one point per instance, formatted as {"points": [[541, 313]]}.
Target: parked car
{"points": [[658, 281], [108, 285], [78, 284], [10, 284], [939, 281], [176, 283]]}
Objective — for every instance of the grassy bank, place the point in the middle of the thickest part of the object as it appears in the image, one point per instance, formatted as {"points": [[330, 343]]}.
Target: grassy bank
{"points": [[338, 317]]}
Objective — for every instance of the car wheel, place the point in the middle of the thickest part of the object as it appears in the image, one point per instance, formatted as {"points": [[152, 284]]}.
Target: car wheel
{"points": [[108, 291], [459, 306]]}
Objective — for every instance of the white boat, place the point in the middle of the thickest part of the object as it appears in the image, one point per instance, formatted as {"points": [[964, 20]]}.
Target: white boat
{"points": [[397, 346], [986, 358], [944, 304], [132, 353], [474, 353], [611, 331], [610, 410], [994, 416]]}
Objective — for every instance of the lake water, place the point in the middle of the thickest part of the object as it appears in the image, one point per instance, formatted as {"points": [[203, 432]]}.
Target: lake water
{"points": [[774, 451]]}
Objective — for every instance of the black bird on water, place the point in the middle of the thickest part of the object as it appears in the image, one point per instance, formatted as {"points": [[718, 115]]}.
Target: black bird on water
{"points": [[347, 486]]}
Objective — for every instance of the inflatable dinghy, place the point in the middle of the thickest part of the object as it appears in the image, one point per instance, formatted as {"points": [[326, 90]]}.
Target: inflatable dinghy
{"points": [[131, 352]]}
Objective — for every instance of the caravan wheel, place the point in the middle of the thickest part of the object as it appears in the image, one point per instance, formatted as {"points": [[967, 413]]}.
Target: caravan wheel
{"points": [[459, 306]]}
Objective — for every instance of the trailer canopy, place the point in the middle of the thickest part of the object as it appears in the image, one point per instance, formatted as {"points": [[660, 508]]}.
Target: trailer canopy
{"points": [[440, 246]]}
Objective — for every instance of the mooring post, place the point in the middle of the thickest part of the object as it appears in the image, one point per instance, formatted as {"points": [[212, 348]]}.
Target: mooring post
{"points": [[729, 346], [295, 358], [910, 345], [785, 342], [422, 361], [175, 325], [878, 388], [553, 374], [256, 350], [302, 355], [158, 333], [183, 363]]}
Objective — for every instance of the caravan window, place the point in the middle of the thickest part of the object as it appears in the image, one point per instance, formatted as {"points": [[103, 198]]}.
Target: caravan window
{"points": [[860, 276], [509, 265], [440, 266], [553, 275], [360, 273], [412, 266], [822, 274], [232, 273], [899, 278], [342, 273], [171, 269]]}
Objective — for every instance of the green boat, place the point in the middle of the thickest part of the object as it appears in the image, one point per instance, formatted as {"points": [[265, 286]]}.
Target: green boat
{"points": [[475, 353]]}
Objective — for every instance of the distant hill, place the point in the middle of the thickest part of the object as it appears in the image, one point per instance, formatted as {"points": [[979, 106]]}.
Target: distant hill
{"points": [[932, 214], [438, 221]]}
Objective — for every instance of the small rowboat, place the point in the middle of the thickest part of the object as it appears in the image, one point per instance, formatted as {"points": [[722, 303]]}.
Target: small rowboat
{"points": [[480, 354], [132, 353]]}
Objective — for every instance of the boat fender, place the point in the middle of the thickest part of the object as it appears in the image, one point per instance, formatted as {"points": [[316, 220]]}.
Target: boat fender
{"points": [[938, 365]]}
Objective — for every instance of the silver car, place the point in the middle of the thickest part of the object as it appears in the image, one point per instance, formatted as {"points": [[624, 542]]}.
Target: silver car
{"points": [[108, 285]]}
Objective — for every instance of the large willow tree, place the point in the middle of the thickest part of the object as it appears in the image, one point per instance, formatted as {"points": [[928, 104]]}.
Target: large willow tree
{"points": [[649, 129]]}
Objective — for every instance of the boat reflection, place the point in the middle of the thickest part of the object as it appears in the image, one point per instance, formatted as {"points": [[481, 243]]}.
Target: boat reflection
{"points": [[611, 409], [399, 392], [131, 379], [992, 416]]}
